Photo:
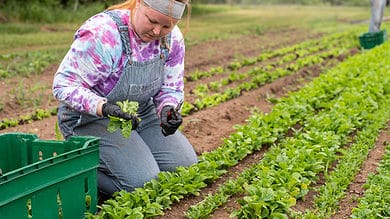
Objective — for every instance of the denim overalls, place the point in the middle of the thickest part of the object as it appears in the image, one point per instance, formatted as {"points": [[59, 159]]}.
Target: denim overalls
{"points": [[127, 163]]}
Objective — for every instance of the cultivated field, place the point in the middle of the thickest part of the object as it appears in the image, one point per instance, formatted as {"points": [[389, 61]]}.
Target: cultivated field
{"points": [[289, 116]]}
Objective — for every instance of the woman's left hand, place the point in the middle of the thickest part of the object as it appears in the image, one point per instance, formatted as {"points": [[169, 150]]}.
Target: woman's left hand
{"points": [[171, 119]]}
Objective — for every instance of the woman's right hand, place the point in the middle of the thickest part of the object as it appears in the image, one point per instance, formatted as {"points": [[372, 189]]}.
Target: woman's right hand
{"points": [[109, 109]]}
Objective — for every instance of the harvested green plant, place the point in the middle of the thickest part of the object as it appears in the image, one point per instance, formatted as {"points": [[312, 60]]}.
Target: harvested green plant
{"points": [[124, 125]]}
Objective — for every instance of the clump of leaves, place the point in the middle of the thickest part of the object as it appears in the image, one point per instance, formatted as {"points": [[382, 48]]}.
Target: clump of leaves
{"points": [[124, 125]]}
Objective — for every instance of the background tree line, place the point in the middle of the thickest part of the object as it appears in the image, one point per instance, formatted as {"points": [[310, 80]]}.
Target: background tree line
{"points": [[66, 3], [74, 10]]}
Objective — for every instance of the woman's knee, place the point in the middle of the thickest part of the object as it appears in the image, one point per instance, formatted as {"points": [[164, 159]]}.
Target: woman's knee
{"points": [[188, 158], [182, 157], [109, 184]]}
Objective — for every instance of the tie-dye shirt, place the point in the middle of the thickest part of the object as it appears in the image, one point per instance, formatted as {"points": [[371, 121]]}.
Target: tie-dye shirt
{"points": [[95, 61]]}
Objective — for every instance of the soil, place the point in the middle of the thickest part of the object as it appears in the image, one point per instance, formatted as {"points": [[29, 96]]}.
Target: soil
{"points": [[207, 128]]}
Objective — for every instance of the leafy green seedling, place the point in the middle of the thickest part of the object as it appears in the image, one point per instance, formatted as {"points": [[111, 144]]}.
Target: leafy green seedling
{"points": [[124, 125]]}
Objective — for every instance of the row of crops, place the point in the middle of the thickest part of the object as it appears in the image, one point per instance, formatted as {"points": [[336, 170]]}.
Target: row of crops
{"points": [[328, 127], [246, 75]]}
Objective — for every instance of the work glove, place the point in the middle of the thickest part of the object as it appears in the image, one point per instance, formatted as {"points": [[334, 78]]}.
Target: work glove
{"points": [[109, 109], [171, 119]]}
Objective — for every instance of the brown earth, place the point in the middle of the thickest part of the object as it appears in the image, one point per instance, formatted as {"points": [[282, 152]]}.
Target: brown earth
{"points": [[207, 128]]}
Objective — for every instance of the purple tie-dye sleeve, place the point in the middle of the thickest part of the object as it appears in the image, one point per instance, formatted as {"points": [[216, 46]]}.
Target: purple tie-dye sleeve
{"points": [[89, 62], [172, 91]]}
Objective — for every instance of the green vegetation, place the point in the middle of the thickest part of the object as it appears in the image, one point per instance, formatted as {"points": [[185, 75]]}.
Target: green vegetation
{"points": [[52, 11], [122, 124], [310, 53], [38, 114], [47, 11], [327, 111], [257, 19], [376, 202], [28, 63]]}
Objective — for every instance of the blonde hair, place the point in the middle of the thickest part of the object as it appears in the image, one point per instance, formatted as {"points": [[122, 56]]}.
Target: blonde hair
{"points": [[131, 4]]}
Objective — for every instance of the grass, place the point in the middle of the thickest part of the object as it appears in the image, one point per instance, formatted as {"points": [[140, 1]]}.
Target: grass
{"points": [[21, 37], [235, 21], [208, 22]]}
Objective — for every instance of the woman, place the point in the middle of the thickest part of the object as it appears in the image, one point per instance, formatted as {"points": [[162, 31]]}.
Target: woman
{"points": [[377, 8], [133, 51]]}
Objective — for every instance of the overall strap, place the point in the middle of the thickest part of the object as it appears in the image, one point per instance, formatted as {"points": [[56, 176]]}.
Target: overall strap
{"points": [[123, 31]]}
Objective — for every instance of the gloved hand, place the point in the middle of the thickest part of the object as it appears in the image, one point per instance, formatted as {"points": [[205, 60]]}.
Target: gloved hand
{"points": [[109, 109], [171, 119]]}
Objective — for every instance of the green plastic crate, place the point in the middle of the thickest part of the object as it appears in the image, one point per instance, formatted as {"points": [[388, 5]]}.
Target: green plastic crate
{"points": [[371, 39], [47, 179]]}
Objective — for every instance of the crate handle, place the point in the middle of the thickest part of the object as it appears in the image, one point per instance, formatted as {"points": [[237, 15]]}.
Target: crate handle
{"points": [[29, 208]]}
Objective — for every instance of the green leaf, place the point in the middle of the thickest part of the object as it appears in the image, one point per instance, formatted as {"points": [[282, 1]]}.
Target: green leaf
{"points": [[124, 125], [114, 124]]}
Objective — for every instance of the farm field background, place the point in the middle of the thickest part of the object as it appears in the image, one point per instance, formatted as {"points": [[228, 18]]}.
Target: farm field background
{"points": [[237, 70]]}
